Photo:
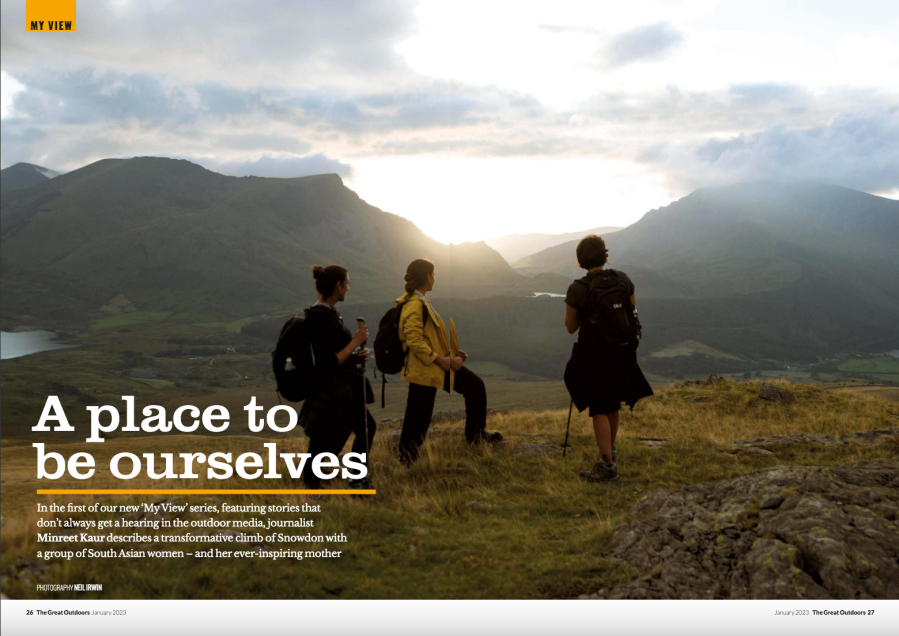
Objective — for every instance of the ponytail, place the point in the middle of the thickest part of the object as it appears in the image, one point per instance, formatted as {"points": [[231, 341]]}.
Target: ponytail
{"points": [[417, 275]]}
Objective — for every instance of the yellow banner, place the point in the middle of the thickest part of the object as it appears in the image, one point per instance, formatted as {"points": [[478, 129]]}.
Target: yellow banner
{"points": [[49, 15]]}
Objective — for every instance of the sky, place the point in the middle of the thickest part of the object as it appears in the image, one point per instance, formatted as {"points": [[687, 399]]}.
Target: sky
{"points": [[471, 119]]}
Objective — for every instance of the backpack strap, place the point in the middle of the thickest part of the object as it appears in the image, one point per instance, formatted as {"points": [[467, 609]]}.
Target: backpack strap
{"points": [[383, 388]]}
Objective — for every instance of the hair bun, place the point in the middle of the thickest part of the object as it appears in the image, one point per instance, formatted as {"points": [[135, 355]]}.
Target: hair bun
{"points": [[317, 271]]}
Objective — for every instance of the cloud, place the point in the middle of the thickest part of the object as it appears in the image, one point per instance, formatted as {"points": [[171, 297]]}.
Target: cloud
{"points": [[640, 44], [129, 114], [569, 28], [235, 42], [280, 167], [858, 150]]}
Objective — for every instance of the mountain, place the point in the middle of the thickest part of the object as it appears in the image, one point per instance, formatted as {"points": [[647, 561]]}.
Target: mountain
{"points": [[762, 271], [23, 175], [513, 247], [167, 235], [754, 237]]}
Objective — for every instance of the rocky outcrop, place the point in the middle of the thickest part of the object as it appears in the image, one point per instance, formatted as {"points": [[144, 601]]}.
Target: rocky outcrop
{"points": [[776, 394], [790, 532], [770, 445], [712, 380]]}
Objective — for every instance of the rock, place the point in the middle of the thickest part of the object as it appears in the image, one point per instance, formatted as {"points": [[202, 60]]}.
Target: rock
{"points": [[653, 442], [477, 506], [533, 449], [789, 532], [770, 445], [776, 394], [709, 381], [882, 436], [736, 449]]}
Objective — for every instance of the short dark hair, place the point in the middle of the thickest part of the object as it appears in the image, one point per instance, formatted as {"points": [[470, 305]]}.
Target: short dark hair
{"points": [[592, 252], [327, 278]]}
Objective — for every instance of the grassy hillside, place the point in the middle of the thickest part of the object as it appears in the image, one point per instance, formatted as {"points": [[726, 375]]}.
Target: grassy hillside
{"points": [[810, 267], [463, 523], [168, 235], [757, 237], [21, 175]]}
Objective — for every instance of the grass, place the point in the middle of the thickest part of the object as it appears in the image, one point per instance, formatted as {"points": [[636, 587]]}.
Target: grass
{"points": [[544, 532], [881, 368], [688, 347], [488, 369], [231, 327], [129, 319]]}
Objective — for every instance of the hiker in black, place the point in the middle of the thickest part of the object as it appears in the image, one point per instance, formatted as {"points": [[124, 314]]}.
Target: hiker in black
{"points": [[600, 375], [335, 406]]}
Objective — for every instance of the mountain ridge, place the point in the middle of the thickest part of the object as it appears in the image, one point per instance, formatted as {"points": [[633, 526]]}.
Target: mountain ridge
{"points": [[176, 237], [23, 175]]}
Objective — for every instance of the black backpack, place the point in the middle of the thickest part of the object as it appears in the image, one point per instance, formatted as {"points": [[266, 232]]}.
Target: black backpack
{"points": [[389, 355], [612, 318], [292, 360]]}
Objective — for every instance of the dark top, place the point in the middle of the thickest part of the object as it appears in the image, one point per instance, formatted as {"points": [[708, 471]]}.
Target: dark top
{"points": [[596, 373], [578, 295], [328, 336], [336, 396]]}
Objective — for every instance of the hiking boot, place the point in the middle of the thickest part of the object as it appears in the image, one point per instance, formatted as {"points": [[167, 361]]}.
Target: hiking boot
{"points": [[601, 472], [358, 484]]}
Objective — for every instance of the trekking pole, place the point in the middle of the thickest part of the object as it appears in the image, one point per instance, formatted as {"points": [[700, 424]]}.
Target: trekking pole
{"points": [[567, 428], [361, 323]]}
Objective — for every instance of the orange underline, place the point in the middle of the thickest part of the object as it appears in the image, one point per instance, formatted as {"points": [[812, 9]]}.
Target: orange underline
{"points": [[207, 492]]}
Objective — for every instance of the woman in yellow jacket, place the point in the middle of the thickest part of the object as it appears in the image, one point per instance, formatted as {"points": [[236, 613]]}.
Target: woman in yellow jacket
{"points": [[430, 366]]}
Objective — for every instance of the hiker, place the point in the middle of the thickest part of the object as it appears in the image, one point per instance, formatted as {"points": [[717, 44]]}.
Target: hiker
{"points": [[603, 372], [429, 366], [334, 408]]}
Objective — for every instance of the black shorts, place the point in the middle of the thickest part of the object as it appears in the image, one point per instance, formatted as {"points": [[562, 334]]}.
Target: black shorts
{"points": [[604, 407]]}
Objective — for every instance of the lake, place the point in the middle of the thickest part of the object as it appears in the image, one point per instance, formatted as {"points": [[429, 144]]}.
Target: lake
{"points": [[24, 343], [550, 294]]}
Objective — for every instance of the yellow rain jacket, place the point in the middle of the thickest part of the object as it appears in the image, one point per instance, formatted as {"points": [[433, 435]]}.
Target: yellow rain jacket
{"points": [[424, 342]]}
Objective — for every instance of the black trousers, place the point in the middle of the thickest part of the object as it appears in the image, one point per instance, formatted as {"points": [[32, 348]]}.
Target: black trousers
{"points": [[420, 407], [333, 439]]}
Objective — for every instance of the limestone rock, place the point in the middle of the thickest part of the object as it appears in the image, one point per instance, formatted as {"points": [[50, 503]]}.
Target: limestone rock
{"points": [[770, 445], [881, 436], [712, 380], [776, 394], [789, 532], [653, 442]]}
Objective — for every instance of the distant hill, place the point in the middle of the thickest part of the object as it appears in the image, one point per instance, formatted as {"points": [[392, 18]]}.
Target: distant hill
{"points": [[764, 271], [23, 175], [752, 238], [513, 247], [167, 235]]}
